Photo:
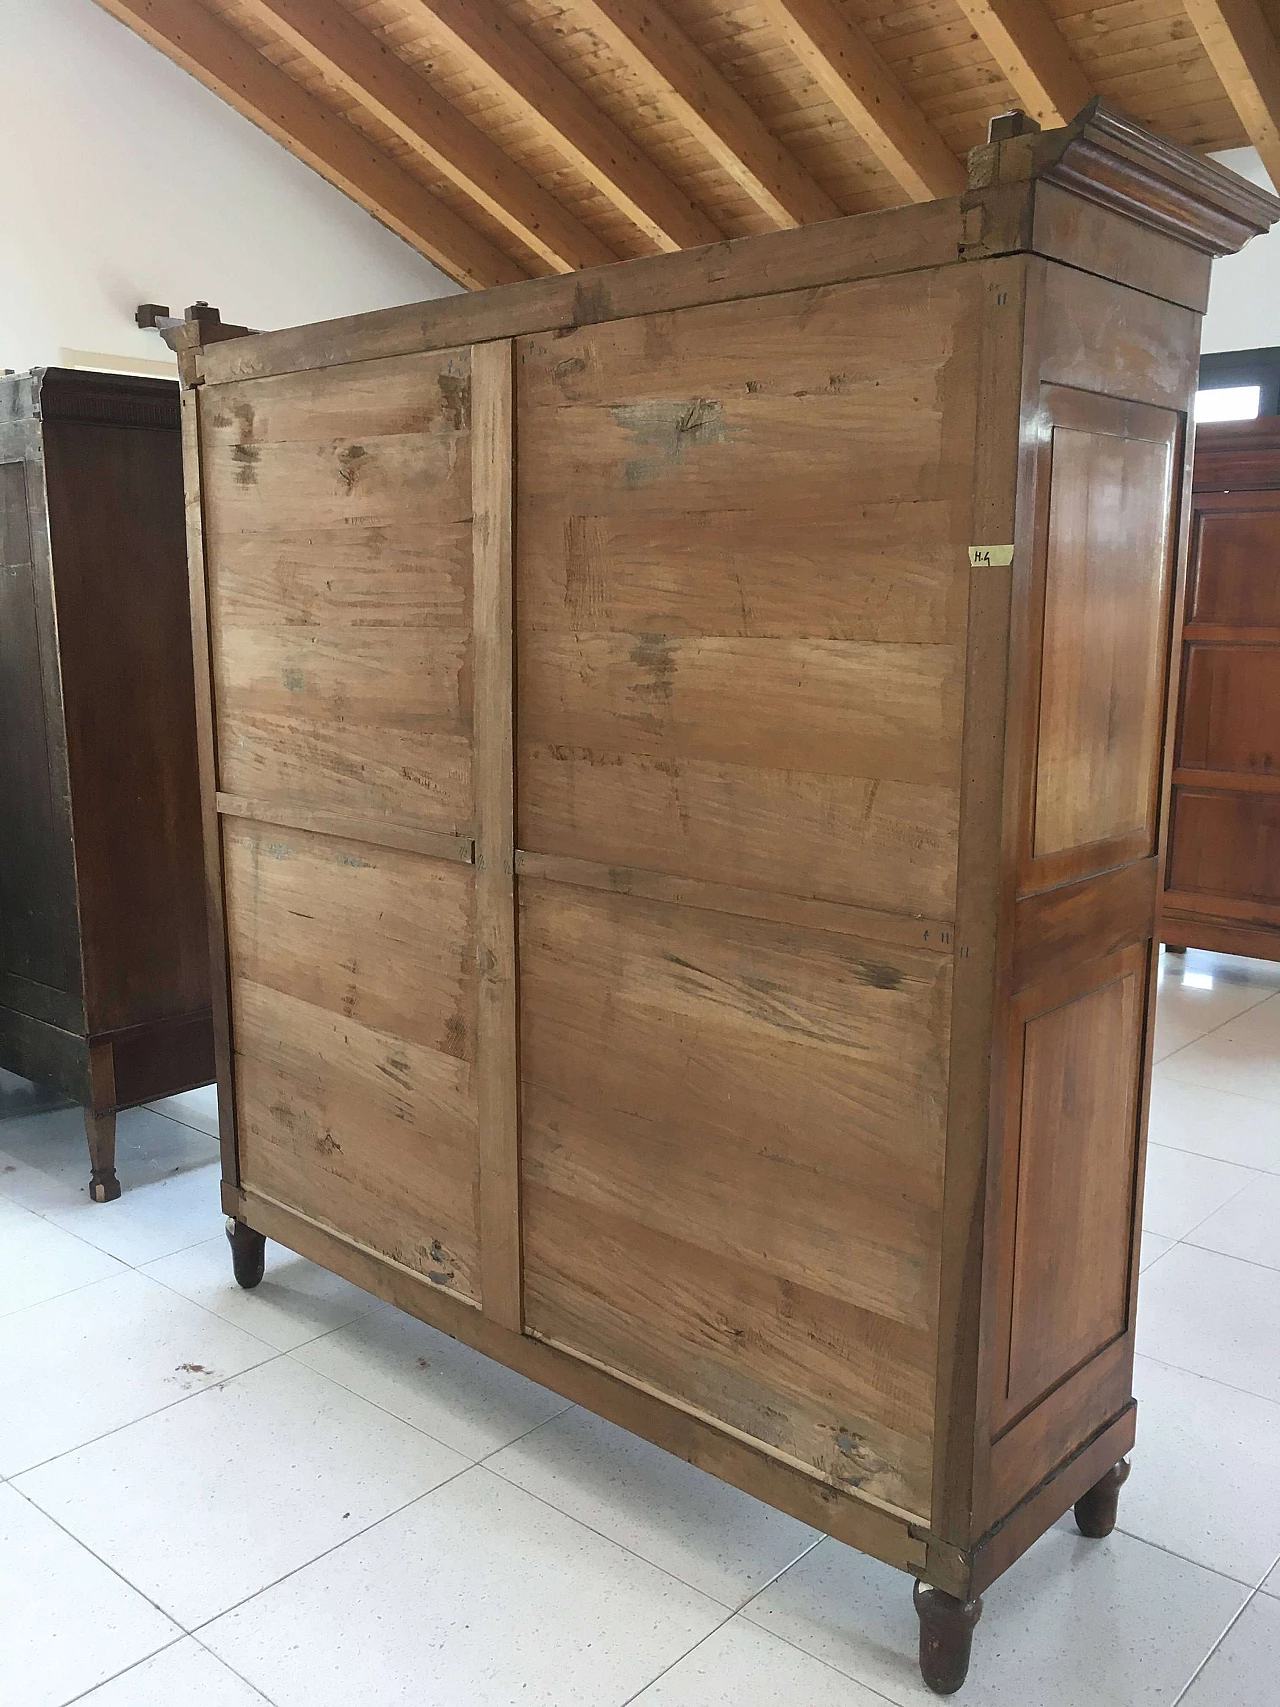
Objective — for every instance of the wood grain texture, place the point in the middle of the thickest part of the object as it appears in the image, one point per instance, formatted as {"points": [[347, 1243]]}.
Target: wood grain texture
{"points": [[354, 1019], [497, 1069], [736, 665], [1077, 1102], [1106, 498], [339, 547], [698, 1213]]}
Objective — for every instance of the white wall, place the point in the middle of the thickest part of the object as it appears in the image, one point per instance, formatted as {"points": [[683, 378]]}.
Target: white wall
{"points": [[1244, 298], [123, 180]]}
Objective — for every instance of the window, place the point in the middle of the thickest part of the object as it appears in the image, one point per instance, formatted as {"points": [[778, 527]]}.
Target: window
{"points": [[1229, 403]]}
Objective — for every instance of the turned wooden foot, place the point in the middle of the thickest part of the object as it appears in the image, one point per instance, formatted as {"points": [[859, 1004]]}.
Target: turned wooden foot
{"points": [[248, 1253], [1096, 1510], [946, 1637], [100, 1130]]}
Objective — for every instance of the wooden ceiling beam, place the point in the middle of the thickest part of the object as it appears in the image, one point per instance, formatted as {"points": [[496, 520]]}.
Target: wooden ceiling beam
{"points": [[855, 79], [653, 46], [1239, 40], [354, 58], [1032, 53], [566, 118], [230, 66]]}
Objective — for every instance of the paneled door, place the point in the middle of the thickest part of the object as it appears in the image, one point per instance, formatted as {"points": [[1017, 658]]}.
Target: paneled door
{"points": [[1223, 877]]}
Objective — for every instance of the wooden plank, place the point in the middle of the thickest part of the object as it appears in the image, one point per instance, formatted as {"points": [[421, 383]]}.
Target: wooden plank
{"points": [[1031, 51], [340, 545], [732, 1170], [651, 43], [872, 245], [740, 594], [368, 69], [207, 753], [852, 74], [564, 115], [377, 833], [860, 922], [226, 63], [497, 1073], [845, 1513], [1242, 44], [355, 1040]]}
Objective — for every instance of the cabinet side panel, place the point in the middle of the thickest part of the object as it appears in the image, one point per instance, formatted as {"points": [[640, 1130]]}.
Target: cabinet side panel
{"points": [[37, 892], [124, 628], [1096, 605]]}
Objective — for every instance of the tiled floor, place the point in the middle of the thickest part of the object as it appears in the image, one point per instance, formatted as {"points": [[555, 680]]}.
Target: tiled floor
{"points": [[211, 1498]]}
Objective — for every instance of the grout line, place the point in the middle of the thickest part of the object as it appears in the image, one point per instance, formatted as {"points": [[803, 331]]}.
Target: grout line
{"points": [[1186, 1558], [1231, 1624], [108, 1566], [246, 1681], [104, 1681], [1216, 1380], [680, 1658], [306, 1564], [1232, 1256], [182, 1399]]}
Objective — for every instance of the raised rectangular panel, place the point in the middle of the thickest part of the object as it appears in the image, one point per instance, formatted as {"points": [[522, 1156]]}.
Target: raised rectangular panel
{"points": [[1070, 1188], [1235, 568], [1231, 709], [1225, 844], [1106, 586]]}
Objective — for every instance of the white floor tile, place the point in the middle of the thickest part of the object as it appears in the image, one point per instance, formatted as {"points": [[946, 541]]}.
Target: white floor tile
{"points": [[168, 1174], [208, 1502], [1248, 1227], [1211, 1122], [478, 1594], [39, 1260], [470, 1402], [105, 1355], [740, 1665], [1214, 1315], [1198, 992], [1184, 1189], [1242, 1056], [66, 1621], [677, 1517], [1245, 1671], [185, 1675], [1154, 1246], [1206, 1472], [1074, 1623], [1272, 1584], [197, 1108], [294, 1302]]}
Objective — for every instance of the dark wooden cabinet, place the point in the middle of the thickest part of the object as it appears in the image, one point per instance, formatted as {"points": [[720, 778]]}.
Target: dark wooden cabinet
{"points": [[1223, 876], [104, 970]]}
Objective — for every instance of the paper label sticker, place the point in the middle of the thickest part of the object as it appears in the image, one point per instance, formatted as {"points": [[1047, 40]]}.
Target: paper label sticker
{"points": [[990, 556]]}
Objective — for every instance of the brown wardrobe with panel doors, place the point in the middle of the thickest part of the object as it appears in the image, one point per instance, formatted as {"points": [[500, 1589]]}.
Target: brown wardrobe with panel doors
{"points": [[682, 763], [104, 956], [1222, 881]]}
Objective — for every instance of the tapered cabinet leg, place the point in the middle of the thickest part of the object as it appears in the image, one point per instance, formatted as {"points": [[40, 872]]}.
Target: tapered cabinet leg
{"points": [[100, 1130], [248, 1253], [946, 1637], [1096, 1510]]}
